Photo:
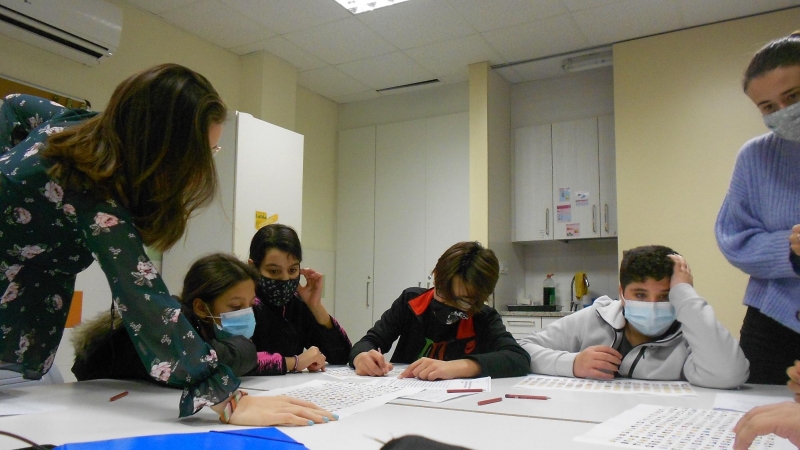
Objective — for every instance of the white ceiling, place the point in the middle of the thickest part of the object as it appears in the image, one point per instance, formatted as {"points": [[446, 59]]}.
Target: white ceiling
{"points": [[347, 57]]}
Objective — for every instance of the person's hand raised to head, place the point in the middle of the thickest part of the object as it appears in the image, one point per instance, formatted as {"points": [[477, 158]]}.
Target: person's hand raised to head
{"points": [[681, 273], [598, 362], [311, 293], [794, 380]]}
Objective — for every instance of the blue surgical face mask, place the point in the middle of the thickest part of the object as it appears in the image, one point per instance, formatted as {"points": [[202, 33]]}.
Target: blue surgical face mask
{"points": [[241, 322], [785, 122], [650, 318]]}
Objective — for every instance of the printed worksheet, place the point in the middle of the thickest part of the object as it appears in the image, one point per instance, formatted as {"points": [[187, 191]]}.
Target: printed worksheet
{"points": [[617, 386], [345, 372], [343, 398], [743, 402], [436, 395], [670, 428], [484, 383]]}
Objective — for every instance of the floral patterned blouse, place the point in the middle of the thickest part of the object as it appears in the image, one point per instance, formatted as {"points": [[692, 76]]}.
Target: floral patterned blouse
{"points": [[48, 236]]}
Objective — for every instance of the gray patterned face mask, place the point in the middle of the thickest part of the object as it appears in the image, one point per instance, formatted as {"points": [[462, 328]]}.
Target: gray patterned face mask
{"points": [[785, 122], [276, 292]]}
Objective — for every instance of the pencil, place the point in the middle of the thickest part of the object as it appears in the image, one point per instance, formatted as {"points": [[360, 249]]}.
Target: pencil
{"points": [[459, 391], [490, 400], [528, 397], [118, 396]]}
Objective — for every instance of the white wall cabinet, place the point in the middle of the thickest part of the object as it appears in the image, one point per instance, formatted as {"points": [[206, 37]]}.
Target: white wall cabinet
{"points": [[403, 199], [521, 326], [564, 181]]}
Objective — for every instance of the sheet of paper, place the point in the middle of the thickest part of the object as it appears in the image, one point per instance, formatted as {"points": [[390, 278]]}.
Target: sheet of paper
{"points": [[343, 398], [730, 401], [484, 383], [436, 395], [670, 428], [617, 386], [343, 373]]}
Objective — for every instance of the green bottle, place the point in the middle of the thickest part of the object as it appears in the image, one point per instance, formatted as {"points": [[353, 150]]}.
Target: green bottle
{"points": [[549, 297]]}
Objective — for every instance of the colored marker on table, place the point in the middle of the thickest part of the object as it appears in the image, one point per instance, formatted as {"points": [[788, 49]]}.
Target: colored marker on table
{"points": [[490, 400], [528, 397]]}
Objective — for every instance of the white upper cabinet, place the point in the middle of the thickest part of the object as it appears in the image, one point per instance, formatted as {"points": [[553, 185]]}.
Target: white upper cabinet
{"points": [[564, 181]]}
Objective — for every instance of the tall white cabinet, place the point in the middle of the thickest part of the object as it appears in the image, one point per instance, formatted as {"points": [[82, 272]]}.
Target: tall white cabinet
{"points": [[403, 199], [564, 181]]}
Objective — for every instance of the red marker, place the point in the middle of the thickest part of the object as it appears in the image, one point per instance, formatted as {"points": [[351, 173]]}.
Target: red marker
{"points": [[528, 397], [490, 400], [118, 396], [459, 391]]}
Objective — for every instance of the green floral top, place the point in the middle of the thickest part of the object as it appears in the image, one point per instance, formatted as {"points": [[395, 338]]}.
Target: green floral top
{"points": [[48, 236]]}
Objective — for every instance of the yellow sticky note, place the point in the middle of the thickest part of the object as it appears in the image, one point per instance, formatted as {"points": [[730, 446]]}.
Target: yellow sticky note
{"points": [[262, 219]]}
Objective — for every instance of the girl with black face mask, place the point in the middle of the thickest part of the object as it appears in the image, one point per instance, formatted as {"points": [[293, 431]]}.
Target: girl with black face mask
{"points": [[292, 324]]}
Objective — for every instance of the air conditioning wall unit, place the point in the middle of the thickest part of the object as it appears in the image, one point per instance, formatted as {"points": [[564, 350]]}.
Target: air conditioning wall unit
{"points": [[86, 31]]}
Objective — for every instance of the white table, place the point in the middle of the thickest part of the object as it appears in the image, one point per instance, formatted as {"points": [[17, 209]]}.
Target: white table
{"points": [[87, 415]]}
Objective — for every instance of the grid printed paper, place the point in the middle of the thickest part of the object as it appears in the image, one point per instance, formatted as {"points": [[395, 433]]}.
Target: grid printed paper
{"points": [[617, 386], [344, 398], [347, 372], [670, 428]]}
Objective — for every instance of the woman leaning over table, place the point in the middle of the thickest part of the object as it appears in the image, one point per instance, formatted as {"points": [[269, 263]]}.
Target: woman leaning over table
{"points": [[86, 186]]}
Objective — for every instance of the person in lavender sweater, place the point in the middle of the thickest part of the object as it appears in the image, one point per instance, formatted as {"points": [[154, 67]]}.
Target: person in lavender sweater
{"points": [[758, 226]]}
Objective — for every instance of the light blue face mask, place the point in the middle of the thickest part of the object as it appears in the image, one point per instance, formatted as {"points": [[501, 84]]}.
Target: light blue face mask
{"points": [[241, 322], [785, 122], [650, 318]]}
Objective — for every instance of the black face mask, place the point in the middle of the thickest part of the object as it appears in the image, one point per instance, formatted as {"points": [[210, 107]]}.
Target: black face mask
{"points": [[277, 292], [446, 314]]}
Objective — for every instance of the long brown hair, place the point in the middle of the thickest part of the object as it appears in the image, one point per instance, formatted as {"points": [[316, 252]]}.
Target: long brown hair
{"points": [[148, 150]]}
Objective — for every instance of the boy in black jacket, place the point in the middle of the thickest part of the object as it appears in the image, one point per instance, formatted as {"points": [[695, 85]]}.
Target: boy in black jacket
{"points": [[446, 332]]}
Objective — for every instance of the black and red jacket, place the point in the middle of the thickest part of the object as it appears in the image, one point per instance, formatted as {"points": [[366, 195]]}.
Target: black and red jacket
{"points": [[482, 338]]}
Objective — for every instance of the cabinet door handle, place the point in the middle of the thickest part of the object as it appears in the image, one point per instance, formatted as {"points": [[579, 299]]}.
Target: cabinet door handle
{"points": [[547, 221], [605, 210], [368, 278], [523, 322], [594, 218]]}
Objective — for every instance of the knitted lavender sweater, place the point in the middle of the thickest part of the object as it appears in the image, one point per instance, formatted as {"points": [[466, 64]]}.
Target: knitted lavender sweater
{"points": [[754, 223]]}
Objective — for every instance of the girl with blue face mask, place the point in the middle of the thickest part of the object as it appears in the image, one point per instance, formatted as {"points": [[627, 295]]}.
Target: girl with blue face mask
{"points": [[217, 299], [758, 226], [292, 324]]}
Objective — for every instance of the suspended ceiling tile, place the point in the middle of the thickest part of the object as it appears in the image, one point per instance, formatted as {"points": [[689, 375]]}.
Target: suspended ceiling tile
{"points": [[492, 15], [698, 13], [416, 23], [536, 39], [628, 20], [510, 74], [285, 16], [341, 41], [389, 70], [213, 21], [285, 50], [444, 58], [160, 6]]}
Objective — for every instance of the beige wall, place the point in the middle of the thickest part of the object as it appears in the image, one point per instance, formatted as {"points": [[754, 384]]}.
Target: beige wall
{"points": [[681, 118], [317, 119]]}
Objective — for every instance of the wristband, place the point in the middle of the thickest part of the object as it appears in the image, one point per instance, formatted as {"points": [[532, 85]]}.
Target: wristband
{"points": [[296, 360], [227, 412]]}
